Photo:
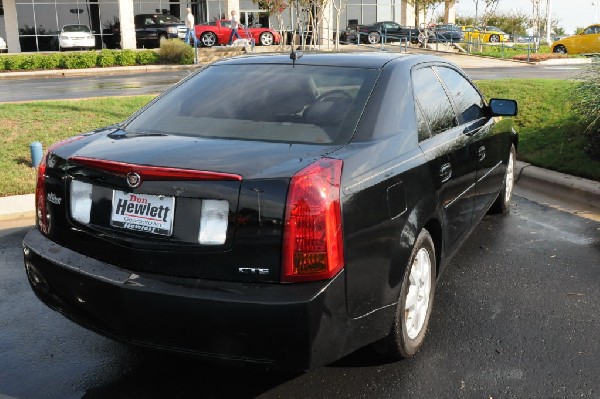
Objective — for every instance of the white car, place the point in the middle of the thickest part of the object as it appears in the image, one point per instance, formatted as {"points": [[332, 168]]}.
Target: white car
{"points": [[3, 48], [76, 36]]}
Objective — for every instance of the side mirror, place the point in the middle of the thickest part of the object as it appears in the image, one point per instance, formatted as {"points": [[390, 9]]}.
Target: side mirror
{"points": [[502, 107]]}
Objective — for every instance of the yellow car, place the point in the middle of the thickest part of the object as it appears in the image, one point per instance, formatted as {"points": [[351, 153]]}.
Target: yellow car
{"points": [[587, 41], [484, 34]]}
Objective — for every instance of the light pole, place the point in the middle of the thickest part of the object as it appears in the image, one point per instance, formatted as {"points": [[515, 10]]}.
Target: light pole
{"points": [[548, 21], [595, 4]]}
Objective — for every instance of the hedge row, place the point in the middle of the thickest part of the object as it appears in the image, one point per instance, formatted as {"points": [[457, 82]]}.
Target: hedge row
{"points": [[171, 53]]}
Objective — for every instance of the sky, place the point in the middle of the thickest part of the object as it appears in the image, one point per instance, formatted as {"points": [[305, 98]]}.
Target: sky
{"points": [[570, 13]]}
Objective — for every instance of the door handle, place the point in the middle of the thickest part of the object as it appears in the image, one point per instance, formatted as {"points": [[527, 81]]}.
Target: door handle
{"points": [[481, 153], [446, 172]]}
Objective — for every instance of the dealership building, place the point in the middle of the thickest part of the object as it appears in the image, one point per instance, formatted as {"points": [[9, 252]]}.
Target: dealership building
{"points": [[30, 25]]}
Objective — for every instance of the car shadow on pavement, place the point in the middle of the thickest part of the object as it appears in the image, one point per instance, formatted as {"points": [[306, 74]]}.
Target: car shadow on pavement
{"points": [[154, 374]]}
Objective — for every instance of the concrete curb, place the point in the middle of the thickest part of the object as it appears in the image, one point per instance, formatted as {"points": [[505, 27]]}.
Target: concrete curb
{"points": [[539, 179], [17, 207], [61, 73], [558, 184]]}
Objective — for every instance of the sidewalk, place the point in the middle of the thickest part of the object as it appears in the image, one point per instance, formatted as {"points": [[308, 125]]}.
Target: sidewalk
{"points": [[529, 177]]}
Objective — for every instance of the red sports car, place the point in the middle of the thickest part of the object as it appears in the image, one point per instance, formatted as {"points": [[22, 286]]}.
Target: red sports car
{"points": [[219, 31]]}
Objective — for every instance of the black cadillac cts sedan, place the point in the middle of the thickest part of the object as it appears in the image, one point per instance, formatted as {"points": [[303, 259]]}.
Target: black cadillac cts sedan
{"points": [[273, 210]]}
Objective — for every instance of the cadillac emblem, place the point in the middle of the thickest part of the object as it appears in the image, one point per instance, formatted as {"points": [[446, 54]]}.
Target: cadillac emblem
{"points": [[133, 179]]}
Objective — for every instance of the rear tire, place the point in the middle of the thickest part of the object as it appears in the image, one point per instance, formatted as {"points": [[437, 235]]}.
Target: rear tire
{"points": [[502, 203], [560, 49], [414, 304]]}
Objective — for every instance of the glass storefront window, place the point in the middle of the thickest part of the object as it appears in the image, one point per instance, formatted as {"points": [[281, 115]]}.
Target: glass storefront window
{"points": [[39, 20]]}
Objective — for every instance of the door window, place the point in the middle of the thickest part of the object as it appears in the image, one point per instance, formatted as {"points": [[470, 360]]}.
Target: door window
{"points": [[466, 97], [435, 104]]}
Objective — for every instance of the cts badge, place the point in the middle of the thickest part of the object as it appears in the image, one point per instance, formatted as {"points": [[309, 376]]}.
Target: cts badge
{"points": [[133, 179], [253, 270]]}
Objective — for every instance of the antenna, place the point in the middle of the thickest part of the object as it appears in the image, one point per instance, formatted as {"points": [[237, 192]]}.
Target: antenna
{"points": [[295, 55]]}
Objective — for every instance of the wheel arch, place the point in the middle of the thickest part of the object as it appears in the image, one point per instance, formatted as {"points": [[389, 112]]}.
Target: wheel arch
{"points": [[434, 227]]}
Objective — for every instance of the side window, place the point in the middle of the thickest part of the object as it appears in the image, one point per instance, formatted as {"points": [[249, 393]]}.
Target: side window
{"points": [[431, 96], [468, 100], [422, 126]]}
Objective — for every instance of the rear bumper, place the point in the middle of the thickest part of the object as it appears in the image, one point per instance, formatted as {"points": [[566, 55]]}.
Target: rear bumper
{"points": [[293, 326], [77, 43]]}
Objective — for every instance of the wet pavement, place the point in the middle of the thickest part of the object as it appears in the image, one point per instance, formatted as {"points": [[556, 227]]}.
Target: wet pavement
{"points": [[516, 314], [98, 82]]}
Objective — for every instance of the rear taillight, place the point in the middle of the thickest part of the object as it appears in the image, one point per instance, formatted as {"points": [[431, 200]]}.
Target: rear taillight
{"points": [[313, 246], [41, 212], [40, 197]]}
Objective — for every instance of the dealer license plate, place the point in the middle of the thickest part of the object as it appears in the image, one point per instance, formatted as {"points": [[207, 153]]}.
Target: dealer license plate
{"points": [[142, 212]]}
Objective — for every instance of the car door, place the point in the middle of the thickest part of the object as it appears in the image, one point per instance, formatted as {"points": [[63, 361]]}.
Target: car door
{"points": [[224, 31], [590, 40], [145, 28], [449, 152], [487, 142]]}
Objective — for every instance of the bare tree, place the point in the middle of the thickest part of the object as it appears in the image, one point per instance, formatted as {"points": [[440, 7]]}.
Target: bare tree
{"points": [[275, 8], [490, 7], [422, 6], [536, 16], [338, 6]]}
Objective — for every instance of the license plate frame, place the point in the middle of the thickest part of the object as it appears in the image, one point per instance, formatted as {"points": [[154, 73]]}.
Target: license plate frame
{"points": [[145, 213]]}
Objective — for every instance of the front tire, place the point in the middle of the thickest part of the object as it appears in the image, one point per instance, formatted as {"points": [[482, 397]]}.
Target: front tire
{"points": [[502, 203], [494, 39], [373, 38], [266, 39], [208, 39], [415, 302]]}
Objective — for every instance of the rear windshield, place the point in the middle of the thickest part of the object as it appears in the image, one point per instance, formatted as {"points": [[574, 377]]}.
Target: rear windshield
{"points": [[167, 19], [279, 103], [75, 28]]}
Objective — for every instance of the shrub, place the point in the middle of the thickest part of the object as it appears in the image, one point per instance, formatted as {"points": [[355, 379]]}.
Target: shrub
{"points": [[31, 61], [14, 62], [147, 57], [2, 61], [175, 51], [107, 58], [50, 61], [586, 102], [125, 57], [85, 59]]}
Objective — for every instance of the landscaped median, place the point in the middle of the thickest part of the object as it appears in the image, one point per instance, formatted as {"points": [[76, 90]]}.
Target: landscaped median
{"points": [[172, 51], [551, 134]]}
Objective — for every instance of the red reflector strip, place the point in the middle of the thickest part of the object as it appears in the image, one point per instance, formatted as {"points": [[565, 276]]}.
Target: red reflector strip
{"points": [[153, 172]]}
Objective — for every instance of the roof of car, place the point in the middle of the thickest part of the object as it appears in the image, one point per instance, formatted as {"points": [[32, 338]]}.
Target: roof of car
{"points": [[351, 60]]}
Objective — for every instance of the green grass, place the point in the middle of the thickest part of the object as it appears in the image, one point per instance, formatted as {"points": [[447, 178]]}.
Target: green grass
{"points": [[48, 122], [503, 51], [551, 135]]}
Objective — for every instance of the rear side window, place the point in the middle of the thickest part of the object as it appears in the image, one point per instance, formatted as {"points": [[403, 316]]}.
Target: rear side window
{"points": [[263, 102], [433, 101], [467, 99]]}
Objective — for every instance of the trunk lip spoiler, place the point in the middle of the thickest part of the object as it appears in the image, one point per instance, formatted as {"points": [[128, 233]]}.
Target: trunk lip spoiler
{"points": [[150, 172]]}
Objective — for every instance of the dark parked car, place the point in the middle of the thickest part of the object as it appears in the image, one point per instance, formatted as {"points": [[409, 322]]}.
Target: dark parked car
{"points": [[350, 34], [390, 30], [150, 29], [307, 218], [448, 33]]}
